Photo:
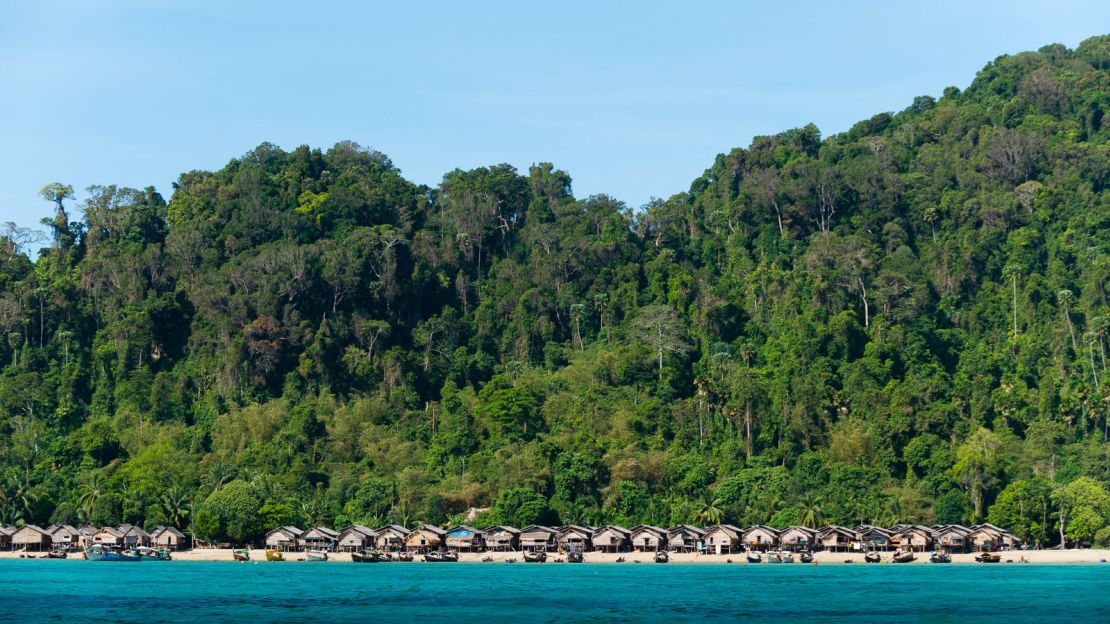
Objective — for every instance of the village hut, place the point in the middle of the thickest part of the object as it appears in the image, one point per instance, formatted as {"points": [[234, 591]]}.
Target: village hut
{"points": [[723, 539], [797, 538], [133, 536], [1008, 539], [538, 538], [501, 538], [988, 537], [648, 538], [85, 535], [685, 538], [574, 538], [108, 536], [464, 538], [6, 536], [424, 538], [31, 537], [610, 538], [391, 537], [318, 538], [951, 537], [355, 538], [168, 537], [911, 537], [283, 538], [874, 537], [837, 538], [63, 535], [761, 537]]}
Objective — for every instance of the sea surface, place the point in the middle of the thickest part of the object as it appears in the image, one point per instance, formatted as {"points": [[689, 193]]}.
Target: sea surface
{"points": [[249, 593]]}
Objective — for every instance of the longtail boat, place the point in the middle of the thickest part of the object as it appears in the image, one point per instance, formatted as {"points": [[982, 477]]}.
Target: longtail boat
{"points": [[241, 554], [273, 554]]}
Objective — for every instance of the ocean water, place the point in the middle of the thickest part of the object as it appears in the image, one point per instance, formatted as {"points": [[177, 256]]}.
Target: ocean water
{"points": [[249, 593]]}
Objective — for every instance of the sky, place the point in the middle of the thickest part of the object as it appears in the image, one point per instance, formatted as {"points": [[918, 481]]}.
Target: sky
{"points": [[633, 99]]}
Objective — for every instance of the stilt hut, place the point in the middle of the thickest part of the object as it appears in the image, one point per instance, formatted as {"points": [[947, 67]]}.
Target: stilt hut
{"points": [[987, 538], [168, 537], [424, 538], [108, 536], [355, 538], [63, 536], [685, 538], [874, 538], [283, 538], [839, 539], [911, 537], [797, 538], [610, 538], [648, 538], [1007, 540], [723, 539], [391, 537], [760, 537], [538, 538], [501, 538], [574, 538], [133, 536], [85, 535], [951, 537], [318, 538], [6, 536], [464, 538], [31, 537]]}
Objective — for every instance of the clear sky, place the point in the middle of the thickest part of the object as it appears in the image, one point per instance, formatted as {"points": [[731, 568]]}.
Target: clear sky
{"points": [[633, 99]]}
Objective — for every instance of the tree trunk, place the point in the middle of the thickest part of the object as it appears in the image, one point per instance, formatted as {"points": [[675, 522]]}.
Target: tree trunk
{"points": [[863, 297], [1013, 281], [748, 428]]}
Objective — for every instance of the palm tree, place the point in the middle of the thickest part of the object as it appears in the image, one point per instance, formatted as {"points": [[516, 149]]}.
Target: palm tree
{"points": [[813, 514], [710, 509], [175, 502], [23, 499]]}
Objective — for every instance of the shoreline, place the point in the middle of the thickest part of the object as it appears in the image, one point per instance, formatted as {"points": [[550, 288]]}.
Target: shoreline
{"points": [[828, 558]]}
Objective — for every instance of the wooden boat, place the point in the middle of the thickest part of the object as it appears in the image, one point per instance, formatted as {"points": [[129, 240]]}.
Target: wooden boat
{"points": [[273, 554], [806, 557], [441, 557], [905, 556], [755, 558], [535, 557], [940, 556], [369, 556], [487, 559], [100, 553], [661, 556], [315, 555], [57, 554], [241, 554], [774, 557], [575, 557], [403, 556], [787, 557], [987, 557], [872, 557]]}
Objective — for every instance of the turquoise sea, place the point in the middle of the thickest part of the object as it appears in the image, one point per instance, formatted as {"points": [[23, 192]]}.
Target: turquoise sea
{"points": [[84, 591]]}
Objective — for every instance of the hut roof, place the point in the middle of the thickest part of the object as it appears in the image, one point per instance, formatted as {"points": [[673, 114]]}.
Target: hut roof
{"points": [[159, 530], [758, 527], [88, 529], [130, 529], [574, 528], [995, 528], [833, 528], [393, 528], [33, 528], [945, 529], [865, 529], [7, 530], [685, 528], [58, 528], [113, 531], [322, 531], [364, 531], [800, 529], [614, 528], [430, 528], [501, 528], [463, 530], [730, 530], [547, 531], [291, 532], [647, 528]]}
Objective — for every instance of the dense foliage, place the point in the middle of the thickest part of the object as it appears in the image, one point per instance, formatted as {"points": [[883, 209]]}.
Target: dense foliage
{"points": [[904, 322]]}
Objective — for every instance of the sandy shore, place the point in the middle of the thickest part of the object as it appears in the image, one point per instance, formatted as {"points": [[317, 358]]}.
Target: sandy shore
{"points": [[1031, 556]]}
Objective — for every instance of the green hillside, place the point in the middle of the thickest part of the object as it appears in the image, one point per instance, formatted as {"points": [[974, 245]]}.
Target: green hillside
{"points": [[904, 322]]}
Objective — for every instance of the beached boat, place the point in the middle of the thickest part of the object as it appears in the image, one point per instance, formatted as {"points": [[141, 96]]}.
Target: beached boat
{"points": [[315, 555], [575, 557], [661, 556], [940, 556], [987, 557], [535, 557], [872, 557], [57, 554], [403, 556], [806, 557], [153, 554], [241, 554], [369, 556], [906, 556], [787, 557], [441, 557], [100, 553], [274, 555], [754, 558], [773, 557]]}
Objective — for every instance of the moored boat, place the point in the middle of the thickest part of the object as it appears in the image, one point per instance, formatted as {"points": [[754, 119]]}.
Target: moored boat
{"points": [[315, 555], [774, 557], [153, 554], [535, 557], [441, 557], [575, 556], [940, 556], [57, 554], [241, 554], [755, 558], [367, 556], [272, 554], [98, 552], [986, 557], [787, 557], [806, 557]]}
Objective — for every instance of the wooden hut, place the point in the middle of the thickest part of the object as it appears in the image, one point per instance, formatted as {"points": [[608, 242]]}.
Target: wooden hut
{"points": [[6, 536], [424, 538], [723, 539], [501, 538], [951, 537], [133, 536], [355, 538], [85, 535], [63, 536], [464, 538], [685, 538], [391, 537], [574, 538], [318, 538], [761, 537], [839, 539], [988, 537], [1007, 539], [538, 538], [108, 536], [31, 537], [610, 538], [797, 538], [283, 538], [647, 538], [168, 537], [911, 537], [874, 537]]}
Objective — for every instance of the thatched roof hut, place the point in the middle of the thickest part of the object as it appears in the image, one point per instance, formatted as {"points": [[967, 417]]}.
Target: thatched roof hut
{"points": [[838, 538], [574, 538], [685, 538], [133, 535], [464, 538], [355, 538], [390, 537], [168, 537], [760, 537], [911, 537], [6, 536], [990, 537], [283, 538], [501, 538], [424, 538], [538, 538], [952, 537], [874, 537], [63, 535], [648, 538], [797, 538], [723, 539], [318, 538], [109, 536], [610, 538], [31, 537]]}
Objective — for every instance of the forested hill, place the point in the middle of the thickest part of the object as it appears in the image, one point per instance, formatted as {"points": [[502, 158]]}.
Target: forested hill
{"points": [[904, 322]]}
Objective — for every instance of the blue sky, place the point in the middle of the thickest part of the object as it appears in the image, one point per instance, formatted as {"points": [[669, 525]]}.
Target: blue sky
{"points": [[633, 99]]}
